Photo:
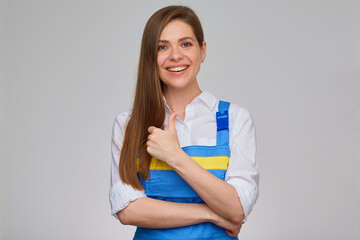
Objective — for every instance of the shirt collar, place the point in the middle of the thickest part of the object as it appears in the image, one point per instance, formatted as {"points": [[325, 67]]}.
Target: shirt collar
{"points": [[205, 96], [167, 108], [209, 99]]}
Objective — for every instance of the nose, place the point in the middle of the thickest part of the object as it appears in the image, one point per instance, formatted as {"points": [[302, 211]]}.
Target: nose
{"points": [[175, 54]]}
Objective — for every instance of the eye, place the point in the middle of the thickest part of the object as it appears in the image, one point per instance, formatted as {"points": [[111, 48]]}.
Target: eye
{"points": [[162, 47], [186, 44]]}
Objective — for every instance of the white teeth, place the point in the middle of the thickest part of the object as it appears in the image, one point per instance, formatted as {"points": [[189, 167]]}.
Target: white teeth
{"points": [[177, 69]]}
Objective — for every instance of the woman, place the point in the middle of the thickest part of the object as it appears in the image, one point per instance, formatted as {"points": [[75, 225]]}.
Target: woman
{"points": [[172, 172]]}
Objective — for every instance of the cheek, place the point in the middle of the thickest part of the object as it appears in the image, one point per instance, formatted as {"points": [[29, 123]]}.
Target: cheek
{"points": [[160, 60], [197, 59], [196, 56]]}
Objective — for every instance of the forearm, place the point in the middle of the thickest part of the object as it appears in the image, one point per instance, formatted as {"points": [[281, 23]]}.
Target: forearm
{"points": [[220, 196], [153, 213]]}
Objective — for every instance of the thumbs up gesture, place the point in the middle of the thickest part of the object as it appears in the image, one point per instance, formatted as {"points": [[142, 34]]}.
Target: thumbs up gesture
{"points": [[163, 144]]}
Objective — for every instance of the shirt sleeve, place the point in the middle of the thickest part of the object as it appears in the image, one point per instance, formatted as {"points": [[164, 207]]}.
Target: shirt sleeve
{"points": [[243, 171], [120, 194]]}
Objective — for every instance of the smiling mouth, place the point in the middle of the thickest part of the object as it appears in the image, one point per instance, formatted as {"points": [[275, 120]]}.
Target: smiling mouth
{"points": [[177, 69]]}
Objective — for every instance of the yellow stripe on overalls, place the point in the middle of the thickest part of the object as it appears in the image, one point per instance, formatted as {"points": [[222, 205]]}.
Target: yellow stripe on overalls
{"points": [[208, 163]]}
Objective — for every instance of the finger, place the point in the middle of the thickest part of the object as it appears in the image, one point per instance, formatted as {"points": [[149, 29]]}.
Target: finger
{"points": [[151, 129], [171, 122], [231, 234], [148, 149], [150, 136]]}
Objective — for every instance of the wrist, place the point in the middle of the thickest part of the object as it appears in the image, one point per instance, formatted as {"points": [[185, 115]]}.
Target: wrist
{"points": [[214, 218], [178, 158], [208, 214]]}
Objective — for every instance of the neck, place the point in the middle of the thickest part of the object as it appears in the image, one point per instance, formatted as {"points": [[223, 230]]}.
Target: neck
{"points": [[178, 99]]}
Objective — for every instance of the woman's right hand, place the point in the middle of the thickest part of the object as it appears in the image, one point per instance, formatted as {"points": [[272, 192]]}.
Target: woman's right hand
{"points": [[231, 228]]}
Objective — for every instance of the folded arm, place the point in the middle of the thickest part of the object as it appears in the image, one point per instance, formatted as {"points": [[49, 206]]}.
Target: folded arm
{"points": [[133, 207], [222, 197], [218, 194], [152, 213]]}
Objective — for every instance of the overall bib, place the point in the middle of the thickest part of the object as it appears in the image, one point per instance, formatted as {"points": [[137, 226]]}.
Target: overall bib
{"points": [[165, 184]]}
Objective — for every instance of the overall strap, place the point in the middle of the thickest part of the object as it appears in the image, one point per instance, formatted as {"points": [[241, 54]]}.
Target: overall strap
{"points": [[222, 122]]}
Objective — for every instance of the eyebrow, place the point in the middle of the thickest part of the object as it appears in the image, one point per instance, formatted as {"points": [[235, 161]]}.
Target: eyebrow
{"points": [[180, 40]]}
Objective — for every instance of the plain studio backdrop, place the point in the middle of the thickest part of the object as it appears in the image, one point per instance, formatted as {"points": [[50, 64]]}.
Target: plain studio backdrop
{"points": [[69, 67]]}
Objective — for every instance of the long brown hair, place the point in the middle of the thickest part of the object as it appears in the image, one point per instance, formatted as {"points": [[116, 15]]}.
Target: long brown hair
{"points": [[149, 107]]}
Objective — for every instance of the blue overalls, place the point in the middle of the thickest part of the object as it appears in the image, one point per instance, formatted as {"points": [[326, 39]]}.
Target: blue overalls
{"points": [[165, 184]]}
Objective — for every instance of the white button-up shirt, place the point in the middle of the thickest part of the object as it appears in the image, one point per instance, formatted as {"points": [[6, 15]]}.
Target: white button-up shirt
{"points": [[199, 128]]}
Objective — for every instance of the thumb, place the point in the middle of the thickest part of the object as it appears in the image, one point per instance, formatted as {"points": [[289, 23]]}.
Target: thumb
{"points": [[171, 122]]}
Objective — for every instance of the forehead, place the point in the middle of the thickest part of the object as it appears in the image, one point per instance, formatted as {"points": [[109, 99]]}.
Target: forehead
{"points": [[176, 29]]}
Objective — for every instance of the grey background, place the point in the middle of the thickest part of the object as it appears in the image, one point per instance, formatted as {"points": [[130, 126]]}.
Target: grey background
{"points": [[68, 67]]}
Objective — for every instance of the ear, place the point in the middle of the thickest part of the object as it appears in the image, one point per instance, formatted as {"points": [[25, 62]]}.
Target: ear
{"points": [[203, 51]]}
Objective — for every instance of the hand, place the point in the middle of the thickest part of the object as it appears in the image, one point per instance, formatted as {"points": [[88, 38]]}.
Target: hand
{"points": [[234, 230], [231, 228], [163, 144]]}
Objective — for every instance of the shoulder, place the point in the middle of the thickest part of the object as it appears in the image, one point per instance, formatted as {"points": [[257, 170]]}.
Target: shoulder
{"points": [[123, 117], [120, 124], [238, 117], [236, 111]]}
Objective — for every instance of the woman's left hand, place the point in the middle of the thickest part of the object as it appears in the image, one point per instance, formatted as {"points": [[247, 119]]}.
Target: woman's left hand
{"points": [[164, 144]]}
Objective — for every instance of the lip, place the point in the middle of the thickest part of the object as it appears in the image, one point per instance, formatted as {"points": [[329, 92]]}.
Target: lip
{"points": [[178, 65], [177, 74], [177, 68]]}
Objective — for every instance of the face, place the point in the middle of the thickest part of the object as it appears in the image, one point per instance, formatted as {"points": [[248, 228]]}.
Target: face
{"points": [[179, 56]]}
